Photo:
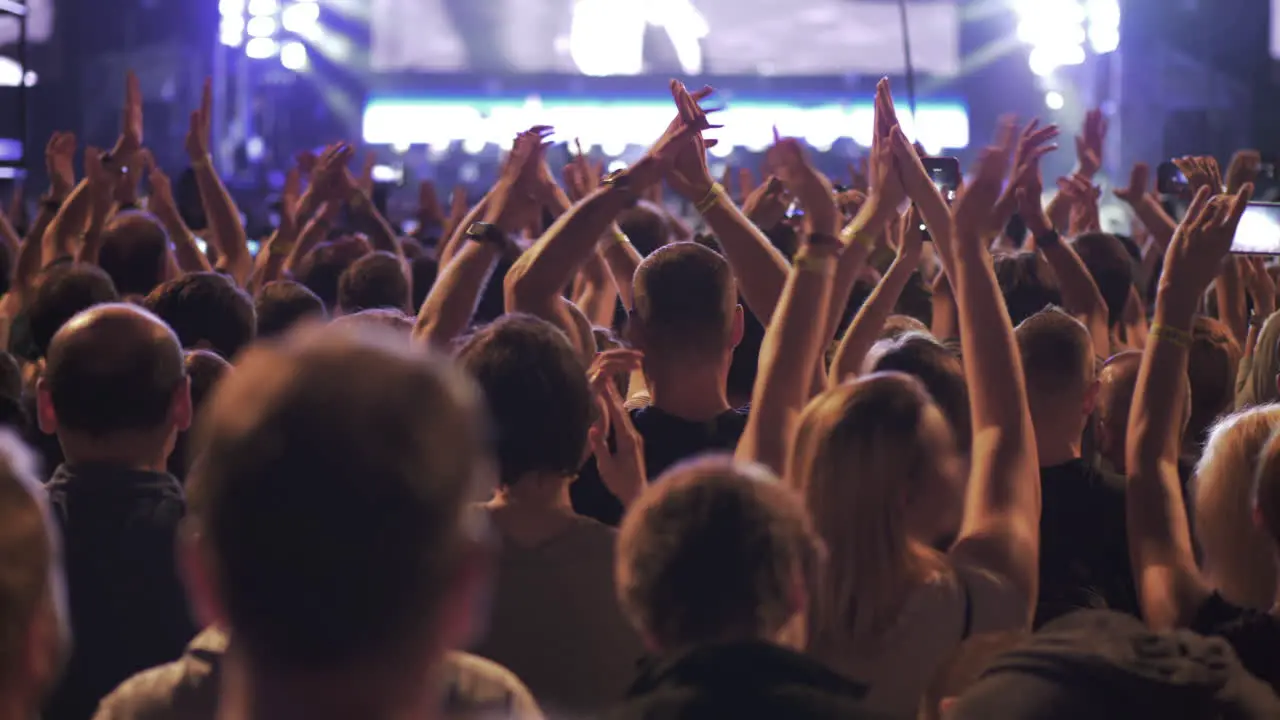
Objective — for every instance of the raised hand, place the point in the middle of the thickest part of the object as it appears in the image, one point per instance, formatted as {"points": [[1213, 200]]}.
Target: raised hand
{"points": [[1089, 143], [429, 211], [767, 204], [1201, 243], [1261, 287], [788, 158], [1201, 171], [1134, 194], [365, 180], [102, 182], [59, 159], [1084, 197], [197, 141], [1243, 168], [510, 199], [887, 188], [688, 173], [1033, 144], [622, 468], [973, 208], [131, 136]]}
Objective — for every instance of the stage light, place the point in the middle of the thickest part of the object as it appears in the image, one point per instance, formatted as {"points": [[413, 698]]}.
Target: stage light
{"points": [[300, 18], [616, 166], [721, 150], [613, 126], [261, 27], [1055, 30], [231, 30], [1104, 25], [263, 7], [1054, 100], [293, 56], [261, 48], [228, 8]]}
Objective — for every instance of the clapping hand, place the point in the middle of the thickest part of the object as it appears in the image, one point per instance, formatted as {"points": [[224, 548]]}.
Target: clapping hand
{"points": [[1200, 245], [622, 467], [197, 142], [59, 158], [1089, 144]]}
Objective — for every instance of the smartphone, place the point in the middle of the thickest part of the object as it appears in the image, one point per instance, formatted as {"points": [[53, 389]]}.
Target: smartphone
{"points": [[1259, 230], [945, 174], [1169, 179]]}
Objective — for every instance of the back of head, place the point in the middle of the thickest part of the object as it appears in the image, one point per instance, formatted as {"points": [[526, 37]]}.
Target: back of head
{"points": [[536, 390], [207, 311], [375, 281], [424, 270], [714, 552], [1237, 555], [30, 579], [62, 291], [880, 449], [281, 304], [1258, 386], [386, 318], [1027, 283], [133, 252], [646, 226], [1117, 382], [1057, 362], [1212, 363], [322, 269], [917, 354], [114, 368], [375, 448], [1111, 267], [205, 370], [1108, 666], [685, 302]]}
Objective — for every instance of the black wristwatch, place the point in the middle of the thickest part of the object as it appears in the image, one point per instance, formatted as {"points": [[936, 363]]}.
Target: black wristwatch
{"points": [[488, 233]]}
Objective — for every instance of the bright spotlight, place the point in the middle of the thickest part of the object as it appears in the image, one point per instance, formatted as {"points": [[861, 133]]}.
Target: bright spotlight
{"points": [[1055, 30], [261, 27], [300, 17], [1104, 25], [263, 7], [293, 56], [261, 48], [231, 30], [1054, 100], [228, 8], [721, 150]]}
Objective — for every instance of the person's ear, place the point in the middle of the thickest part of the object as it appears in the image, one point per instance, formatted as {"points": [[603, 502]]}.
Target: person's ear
{"points": [[180, 407], [45, 416], [1091, 397], [739, 325]]}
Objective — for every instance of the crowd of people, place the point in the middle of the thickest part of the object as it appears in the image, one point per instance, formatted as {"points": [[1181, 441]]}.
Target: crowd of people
{"points": [[887, 456]]}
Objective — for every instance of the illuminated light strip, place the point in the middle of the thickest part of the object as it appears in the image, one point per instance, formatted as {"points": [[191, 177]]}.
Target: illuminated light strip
{"points": [[616, 124]]}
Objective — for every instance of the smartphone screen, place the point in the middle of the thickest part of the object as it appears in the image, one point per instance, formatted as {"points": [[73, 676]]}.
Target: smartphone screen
{"points": [[1169, 179], [1259, 230], [945, 174]]}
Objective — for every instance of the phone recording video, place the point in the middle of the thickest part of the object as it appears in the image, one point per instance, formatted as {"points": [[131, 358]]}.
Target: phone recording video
{"points": [[945, 174], [1169, 179], [1259, 230]]}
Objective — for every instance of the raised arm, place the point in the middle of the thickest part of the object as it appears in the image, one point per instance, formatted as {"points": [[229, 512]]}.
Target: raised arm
{"points": [[759, 267], [867, 324], [1170, 586], [1079, 292], [225, 229], [101, 189], [1146, 207], [451, 303], [620, 257], [1001, 526], [188, 255]]}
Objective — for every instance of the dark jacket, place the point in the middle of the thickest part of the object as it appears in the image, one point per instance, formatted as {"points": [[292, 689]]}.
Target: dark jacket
{"points": [[741, 680], [128, 609]]}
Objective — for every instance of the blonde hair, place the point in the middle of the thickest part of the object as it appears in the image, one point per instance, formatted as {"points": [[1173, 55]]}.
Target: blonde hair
{"points": [[1237, 555], [858, 460]]}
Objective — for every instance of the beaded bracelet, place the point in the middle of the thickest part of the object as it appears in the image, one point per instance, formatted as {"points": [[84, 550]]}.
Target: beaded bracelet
{"points": [[1178, 337]]}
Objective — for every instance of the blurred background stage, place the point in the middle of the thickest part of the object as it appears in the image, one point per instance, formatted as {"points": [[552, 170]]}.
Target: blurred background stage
{"points": [[439, 87]]}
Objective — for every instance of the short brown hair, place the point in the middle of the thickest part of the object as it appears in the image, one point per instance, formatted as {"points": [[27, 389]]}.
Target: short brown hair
{"points": [[1057, 353], [333, 472], [685, 297], [26, 549], [712, 553], [1211, 365]]}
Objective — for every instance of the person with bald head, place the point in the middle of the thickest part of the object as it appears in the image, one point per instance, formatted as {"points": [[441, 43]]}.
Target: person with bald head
{"points": [[115, 391]]}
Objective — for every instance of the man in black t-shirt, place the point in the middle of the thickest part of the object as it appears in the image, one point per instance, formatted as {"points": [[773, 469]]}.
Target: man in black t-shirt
{"points": [[1084, 562], [686, 321]]}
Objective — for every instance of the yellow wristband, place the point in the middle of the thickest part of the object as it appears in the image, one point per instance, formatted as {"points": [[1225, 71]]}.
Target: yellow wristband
{"points": [[621, 238], [850, 236], [712, 197], [1178, 337], [820, 264]]}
